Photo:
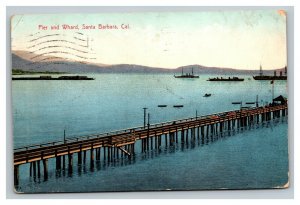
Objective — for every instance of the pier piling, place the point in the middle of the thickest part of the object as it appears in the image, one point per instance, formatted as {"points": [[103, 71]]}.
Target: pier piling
{"points": [[16, 175], [45, 165]]}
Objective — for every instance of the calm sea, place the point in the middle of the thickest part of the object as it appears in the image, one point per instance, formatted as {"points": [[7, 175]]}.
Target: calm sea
{"points": [[256, 158]]}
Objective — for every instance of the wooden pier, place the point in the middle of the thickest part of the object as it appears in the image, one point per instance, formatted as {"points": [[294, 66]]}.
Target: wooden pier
{"points": [[114, 145]]}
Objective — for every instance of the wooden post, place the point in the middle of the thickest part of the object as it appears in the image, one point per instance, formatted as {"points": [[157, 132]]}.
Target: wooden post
{"points": [[92, 156], [192, 133], [187, 135], [34, 169], [45, 165], [207, 133], [16, 175], [142, 142], [212, 132], [84, 156], [216, 130], [182, 135], [202, 134], [234, 124], [147, 141], [39, 169], [104, 153], [159, 141], [176, 139], [108, 154], [70, 157], [117, 150], [133, 152], [58, 162], [64, 163], [151, 143], [30, 169], [99, 153], [79, 156], [166, 140], [122, 154], [242, 122]]}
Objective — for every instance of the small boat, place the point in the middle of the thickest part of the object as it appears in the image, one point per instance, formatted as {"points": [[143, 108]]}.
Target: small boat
{"points": [[249, 103], [161, 105], [235, 103], [207, 95], [177, 106]]}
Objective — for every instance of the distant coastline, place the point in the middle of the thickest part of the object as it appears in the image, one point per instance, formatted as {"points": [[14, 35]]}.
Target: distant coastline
{"points": [[21, 60], [25, 72]]}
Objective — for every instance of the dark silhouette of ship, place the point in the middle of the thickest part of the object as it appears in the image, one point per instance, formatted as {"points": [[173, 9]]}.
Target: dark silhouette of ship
{"points": [[186, 75], [261, 76], [177, 106], [78, 77], [226, 79]]}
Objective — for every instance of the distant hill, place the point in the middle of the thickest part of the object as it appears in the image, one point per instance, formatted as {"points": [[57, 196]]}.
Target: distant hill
{"points": [[24, 63]]}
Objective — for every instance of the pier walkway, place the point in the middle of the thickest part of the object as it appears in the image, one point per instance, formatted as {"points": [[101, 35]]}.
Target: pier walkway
{"points": [[117, 144]]}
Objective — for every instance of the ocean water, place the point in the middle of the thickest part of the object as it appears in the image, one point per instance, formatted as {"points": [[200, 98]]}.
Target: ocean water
{"points": [[256, 158]]}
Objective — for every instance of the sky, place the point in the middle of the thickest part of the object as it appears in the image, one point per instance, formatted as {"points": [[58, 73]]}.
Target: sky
{"points": [[231, 39]]}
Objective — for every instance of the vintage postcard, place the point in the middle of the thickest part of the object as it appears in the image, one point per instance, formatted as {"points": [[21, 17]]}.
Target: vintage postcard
{"points": [[150, 101]]}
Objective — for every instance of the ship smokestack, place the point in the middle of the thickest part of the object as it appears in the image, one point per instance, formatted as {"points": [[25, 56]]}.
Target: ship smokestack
{"points": [[280, 73], [274, 73]]}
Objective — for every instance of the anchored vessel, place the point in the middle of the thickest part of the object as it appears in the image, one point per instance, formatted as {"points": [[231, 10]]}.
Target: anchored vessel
{"points": [[226, 79], [186, 75], [269, 77], [78, 77], [177, 106]]}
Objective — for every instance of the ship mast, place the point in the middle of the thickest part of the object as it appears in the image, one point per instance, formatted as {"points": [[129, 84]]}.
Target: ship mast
{"points": [[260, 70]]}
